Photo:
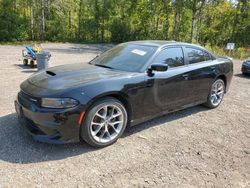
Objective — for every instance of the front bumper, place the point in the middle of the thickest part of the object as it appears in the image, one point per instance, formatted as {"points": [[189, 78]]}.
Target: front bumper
{"points": [[56, 126], [245, 69]]}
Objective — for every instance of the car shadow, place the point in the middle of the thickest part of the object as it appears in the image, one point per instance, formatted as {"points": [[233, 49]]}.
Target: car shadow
{"points": [[164, 119], [243, 75], [17, 146]]}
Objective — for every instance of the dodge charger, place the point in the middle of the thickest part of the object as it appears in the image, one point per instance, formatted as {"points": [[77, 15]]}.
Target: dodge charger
{"points": [[129, 84]]}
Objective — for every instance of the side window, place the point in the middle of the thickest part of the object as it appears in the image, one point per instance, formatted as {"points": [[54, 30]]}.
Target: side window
{"points": [[172, 56], [195, 55]]}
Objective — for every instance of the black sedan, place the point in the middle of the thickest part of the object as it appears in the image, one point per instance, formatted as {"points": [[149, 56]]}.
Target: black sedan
{"points": [[246, 66], [129, 84]]}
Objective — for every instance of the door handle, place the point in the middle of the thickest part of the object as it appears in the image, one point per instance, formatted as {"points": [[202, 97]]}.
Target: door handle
{"points": [[213, 68], [149, 83], [185, 76]]}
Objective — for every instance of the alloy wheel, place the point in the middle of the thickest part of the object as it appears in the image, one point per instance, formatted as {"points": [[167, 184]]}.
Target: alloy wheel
{"points": [[217, 93], [107, 123]]}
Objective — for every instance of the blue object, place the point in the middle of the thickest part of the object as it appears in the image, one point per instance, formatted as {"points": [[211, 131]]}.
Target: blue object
{"points": [[31, 52]]}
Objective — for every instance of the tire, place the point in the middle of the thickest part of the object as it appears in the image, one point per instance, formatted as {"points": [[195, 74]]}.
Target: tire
{"points": [[104, 122], [216, 94], [25, 62], [32, 64]]}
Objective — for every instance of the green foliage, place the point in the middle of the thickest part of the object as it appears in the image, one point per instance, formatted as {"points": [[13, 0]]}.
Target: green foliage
{"points": [[119, 31], [12, 24], [242, 53], [239, 53], [215, 23]]}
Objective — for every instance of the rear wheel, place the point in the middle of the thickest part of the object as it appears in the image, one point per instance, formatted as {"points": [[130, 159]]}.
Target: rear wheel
{"points": [[104, 123], [216, 94], [32, 64]]}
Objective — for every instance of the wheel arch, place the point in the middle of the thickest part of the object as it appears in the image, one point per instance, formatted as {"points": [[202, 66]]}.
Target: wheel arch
{"points": [[224, 78], [122, 97]]}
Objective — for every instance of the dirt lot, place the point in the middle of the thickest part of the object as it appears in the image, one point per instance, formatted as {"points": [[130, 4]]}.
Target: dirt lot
{"points": [[195, 147]]}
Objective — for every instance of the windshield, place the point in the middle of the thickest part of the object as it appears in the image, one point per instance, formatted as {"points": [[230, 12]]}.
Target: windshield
{"points": [[125, 57]]}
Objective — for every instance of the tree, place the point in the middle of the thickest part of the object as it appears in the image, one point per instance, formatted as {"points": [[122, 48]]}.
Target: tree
{"points": [[42, 20], [199, 20], [213, 22]]}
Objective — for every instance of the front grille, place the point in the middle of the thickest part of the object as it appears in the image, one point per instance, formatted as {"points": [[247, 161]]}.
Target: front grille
{"points": [[41, 130], [30, 125]]}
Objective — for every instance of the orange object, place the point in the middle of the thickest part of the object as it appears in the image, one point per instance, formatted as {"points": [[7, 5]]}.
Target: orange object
{"points": [[81, 118]]}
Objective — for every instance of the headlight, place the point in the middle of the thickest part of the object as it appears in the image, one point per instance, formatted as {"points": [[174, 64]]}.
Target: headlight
{"points": [[59, 102]]}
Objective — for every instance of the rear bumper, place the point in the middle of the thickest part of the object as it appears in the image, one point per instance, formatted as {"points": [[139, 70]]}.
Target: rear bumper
{"points": [[55, 126]]}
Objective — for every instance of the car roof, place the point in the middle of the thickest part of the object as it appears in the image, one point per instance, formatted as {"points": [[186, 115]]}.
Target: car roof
{"points": [[156, 43], [163, 43]]}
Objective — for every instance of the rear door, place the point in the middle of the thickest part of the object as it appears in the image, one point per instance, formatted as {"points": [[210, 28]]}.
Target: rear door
{"points": [[200, 75]]}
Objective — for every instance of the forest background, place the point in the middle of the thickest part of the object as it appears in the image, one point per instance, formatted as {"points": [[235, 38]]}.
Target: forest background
{"points": [[210, 23]]}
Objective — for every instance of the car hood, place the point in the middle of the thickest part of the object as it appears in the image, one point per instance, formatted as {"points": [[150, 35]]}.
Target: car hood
{"points": [[68, 76]]}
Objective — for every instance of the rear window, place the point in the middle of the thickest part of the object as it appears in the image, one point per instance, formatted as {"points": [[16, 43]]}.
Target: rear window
{"points": [[195, 55]]}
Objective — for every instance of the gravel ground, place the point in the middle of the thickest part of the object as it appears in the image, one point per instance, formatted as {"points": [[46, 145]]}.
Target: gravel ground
{"points": [[195, 147]]}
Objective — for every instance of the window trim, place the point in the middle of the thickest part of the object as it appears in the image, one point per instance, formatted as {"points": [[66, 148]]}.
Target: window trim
{"points": [[186, 61]]}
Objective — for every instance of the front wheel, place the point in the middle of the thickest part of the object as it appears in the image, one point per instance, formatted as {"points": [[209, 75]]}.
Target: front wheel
{"points": [[104, 122], [216, 94]]}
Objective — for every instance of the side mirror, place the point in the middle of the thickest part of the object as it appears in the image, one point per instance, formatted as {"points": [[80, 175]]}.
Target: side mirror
{"points": [[158, 67]]}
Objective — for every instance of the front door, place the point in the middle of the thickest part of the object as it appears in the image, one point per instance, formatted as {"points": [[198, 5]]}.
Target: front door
{"points": [[165, 90]]}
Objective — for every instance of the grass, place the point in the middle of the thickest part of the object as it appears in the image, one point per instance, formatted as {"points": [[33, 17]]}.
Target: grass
{"points": [[238, 53]]}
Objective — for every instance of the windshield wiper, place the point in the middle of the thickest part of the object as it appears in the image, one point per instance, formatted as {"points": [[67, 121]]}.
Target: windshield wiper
{"points": [[105, 66]]}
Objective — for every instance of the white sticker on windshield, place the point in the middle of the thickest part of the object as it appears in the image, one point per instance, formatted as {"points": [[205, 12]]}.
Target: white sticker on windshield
{"points": [[138, 52]]}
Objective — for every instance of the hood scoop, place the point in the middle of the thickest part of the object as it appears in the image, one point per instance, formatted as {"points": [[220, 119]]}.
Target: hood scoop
{"points": [[51, 73]]}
